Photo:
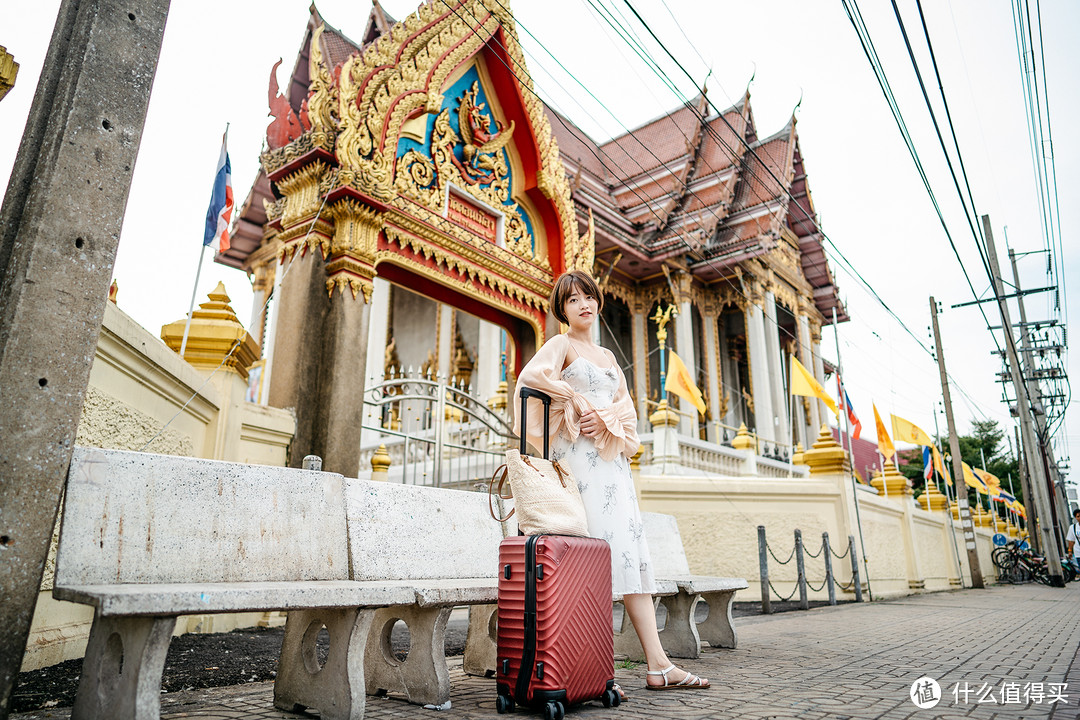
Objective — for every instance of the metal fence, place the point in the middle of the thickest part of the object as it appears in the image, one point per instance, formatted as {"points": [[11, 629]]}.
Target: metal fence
{"points": [[436, 432]]}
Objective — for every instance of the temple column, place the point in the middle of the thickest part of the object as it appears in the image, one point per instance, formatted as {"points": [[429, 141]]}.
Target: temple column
{"points": [[709, 318], [684, 346], [444, 343], [263, 269], [818, 370], [777, 386], [729, 380], [806, 357], [297, 331], [339, 402], [378, 337], [764, 418], [488, 358], [639, 323]]}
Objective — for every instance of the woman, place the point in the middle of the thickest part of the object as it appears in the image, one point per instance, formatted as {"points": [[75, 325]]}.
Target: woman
{"points": [[593, 430]]}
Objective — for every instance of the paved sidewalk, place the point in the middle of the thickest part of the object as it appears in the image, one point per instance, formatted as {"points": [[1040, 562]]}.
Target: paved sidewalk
{"points": [[1014, 645]]}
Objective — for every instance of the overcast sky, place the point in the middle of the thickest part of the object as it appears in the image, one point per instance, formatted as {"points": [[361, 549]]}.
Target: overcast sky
{"points": [[217, 57]]}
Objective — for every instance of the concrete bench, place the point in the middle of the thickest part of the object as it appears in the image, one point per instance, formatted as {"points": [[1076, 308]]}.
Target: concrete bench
{"points": [[443, 544], [682, 634], [145, 538]]}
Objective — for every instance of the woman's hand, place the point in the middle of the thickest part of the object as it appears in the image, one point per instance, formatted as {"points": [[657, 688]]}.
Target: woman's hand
{"points": [[590, 425]]}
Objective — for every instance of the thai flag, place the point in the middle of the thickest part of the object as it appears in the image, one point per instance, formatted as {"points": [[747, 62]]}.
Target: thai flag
{"points": [[220, 211], [845, 405], [928, 464]]}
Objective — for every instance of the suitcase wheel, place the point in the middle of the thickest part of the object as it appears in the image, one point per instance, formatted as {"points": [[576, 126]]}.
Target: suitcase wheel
{"points": [[554, 711], [611, 698], [504, 704]]}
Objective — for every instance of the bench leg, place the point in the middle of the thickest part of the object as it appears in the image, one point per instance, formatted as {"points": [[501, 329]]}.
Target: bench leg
{"points": [[335, 687], [481, 652], [627, 643], [718, 629], [121, 674], [422, 677], [680, 634]]}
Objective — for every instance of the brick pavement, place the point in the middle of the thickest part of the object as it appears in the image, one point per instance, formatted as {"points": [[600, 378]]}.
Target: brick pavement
{"points": [[854, 661]]}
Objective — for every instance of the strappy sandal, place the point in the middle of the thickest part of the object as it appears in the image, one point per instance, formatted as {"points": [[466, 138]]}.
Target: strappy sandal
{"points": [[690, 682]]}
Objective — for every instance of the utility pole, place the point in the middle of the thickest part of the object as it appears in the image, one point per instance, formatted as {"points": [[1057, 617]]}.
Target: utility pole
{"points": [[1025, 485], [1046, 451], [958, 468], [59, 229], [1027, 430]]}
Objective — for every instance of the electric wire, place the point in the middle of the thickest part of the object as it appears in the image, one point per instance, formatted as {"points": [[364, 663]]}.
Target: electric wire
{"points": [[850, 268]]}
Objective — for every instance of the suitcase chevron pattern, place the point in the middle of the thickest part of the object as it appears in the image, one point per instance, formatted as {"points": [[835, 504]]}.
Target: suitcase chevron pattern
{"points": [[572, 659]]}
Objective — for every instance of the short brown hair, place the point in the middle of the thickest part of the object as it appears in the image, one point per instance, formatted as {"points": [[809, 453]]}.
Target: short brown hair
{"points": [[564, 288]]}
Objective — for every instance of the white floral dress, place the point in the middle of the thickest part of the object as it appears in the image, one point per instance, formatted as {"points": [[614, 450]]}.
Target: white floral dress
{"points": [[607, 489]]}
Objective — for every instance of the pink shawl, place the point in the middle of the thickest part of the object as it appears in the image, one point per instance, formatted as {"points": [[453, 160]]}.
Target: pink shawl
{"points": [[544, 373]]}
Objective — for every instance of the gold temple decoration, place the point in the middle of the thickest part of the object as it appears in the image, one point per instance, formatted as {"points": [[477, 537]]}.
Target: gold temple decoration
{"points": [[664, 415], [891, 482], [463, 362], [9, 69], [932, 499], [743, 440], [826, 455], [216, 338]]}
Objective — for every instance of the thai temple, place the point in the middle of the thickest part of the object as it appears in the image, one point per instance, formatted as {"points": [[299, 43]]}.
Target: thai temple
{"points": [[415, 203], [417, 199]]}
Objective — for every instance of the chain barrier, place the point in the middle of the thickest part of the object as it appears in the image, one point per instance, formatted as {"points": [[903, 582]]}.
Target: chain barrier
{"points": [[849, 586], [782, 562], [782, 598]]}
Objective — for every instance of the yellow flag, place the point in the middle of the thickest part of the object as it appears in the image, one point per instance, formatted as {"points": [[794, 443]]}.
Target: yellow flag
{"points": [[993, 484], [679, 382], [803, 383], [972, 480], [884, 444], [909, 432]]}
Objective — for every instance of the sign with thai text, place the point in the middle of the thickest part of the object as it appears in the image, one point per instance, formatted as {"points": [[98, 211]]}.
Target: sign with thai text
{"points": [[472, 218]]}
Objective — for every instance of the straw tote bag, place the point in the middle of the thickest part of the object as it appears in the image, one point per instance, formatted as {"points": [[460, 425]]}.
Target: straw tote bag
{"points": [[546, 498]]}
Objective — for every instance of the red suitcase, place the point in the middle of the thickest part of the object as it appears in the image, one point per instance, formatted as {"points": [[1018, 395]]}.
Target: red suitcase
{"points": [[555, 643]]}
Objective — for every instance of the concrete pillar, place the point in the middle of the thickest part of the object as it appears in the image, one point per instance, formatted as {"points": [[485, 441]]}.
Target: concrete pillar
{"points": [[298, 330], [339, 410], [764, 417], [59, 228], [777, 385], [639, 327], [712, 374], [806, 357]]}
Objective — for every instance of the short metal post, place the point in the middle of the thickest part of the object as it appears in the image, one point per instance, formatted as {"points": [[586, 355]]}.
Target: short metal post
{"points": [[312, 462], [800, 563], [854, 568], [827, 551], [763, 563]]}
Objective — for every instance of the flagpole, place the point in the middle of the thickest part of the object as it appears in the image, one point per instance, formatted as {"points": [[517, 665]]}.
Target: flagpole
{"points": [[191, 307], [948, 504], [851, 454]]}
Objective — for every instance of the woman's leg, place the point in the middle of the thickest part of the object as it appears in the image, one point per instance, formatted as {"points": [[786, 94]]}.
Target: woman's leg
{"points": [[642, 612]]}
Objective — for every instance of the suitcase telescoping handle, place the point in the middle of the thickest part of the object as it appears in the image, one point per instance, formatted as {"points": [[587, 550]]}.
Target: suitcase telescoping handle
{"points": [[526, 393]]}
